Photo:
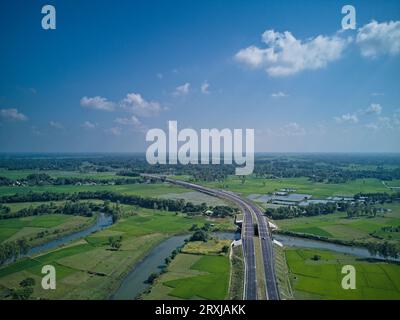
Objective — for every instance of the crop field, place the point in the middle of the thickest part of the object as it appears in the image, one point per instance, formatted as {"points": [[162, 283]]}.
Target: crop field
{"points": [[338, 226], [253, 185], [84, 271], [321, 279], [20, 174], [195, 197], [89, 269], [149, 221], [191, 276], [212, 246], [145, 190], [12, 229]]}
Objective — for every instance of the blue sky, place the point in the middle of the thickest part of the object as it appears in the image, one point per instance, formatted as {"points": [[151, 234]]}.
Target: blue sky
{"points": [[114, 69]]}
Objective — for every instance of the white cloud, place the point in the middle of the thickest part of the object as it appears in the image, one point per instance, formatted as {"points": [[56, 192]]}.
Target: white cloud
{"points": [[98, 103], [204, 87], [376, 39], [374, 108], [377, 94], [278, 94], [88, 125], [56, 125], [285, 55], [293, 129], [347, 118], [132, 121], [182, 90], [12, 114], [372, 126], [115, 131], [135, 103], [160, 76]]}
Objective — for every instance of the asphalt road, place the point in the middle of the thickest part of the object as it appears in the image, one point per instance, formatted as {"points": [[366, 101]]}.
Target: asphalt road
{"points": [[249, 210]]}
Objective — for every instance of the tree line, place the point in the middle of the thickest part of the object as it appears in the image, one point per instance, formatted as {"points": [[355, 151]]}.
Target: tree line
{"points": [[178, 205], [11, 250], [41, 179], [364, 205]]}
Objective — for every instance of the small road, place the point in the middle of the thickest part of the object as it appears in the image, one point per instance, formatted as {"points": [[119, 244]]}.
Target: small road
{"points": [[249, 211]]}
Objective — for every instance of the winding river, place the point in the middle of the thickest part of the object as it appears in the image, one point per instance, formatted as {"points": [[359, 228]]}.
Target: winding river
{"points": [[101, 222], [135, 281], [291, 241]]}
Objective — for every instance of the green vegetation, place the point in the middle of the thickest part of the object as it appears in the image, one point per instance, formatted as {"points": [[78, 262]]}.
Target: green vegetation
{"points": [[282, 273], [146, 212], [191, 276], [93, 268], [258, 185], [321, 278], [29, 227], [145, 190], [260, 275], [339, 226], [198, 270], [213, 246], [211, 285], [237, 274]]}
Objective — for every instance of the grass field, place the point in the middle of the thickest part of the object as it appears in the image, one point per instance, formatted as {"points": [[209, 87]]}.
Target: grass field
{"points": [[253, 185], [195, 198], [260, 275], [322, 279], [19, 174], [145, 190], [212, 246], [13, 229], [338, 226], [191, 276], [83, 270], [88, 269], [237, 274], [282, 273]]}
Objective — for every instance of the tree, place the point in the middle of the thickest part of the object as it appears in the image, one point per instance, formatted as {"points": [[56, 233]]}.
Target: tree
{"points": [[225, 249], [28, 282], [199, 235], [115, 243], [22, 293], [152, 277]]}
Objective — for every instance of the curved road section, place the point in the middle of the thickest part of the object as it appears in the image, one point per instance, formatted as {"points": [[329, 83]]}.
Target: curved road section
{"points": [[249, 211]]}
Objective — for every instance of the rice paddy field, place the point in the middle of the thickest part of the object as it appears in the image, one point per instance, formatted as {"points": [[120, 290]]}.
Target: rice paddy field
{"points": [[339, 226], [27, 227], [90, 268], [254, 185], [145, 190], [321, 279], [200, 272]]}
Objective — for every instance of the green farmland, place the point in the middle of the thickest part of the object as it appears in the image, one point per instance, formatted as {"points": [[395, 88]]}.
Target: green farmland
{"points": [[145, 190], [339, 226], [13, 229], [253, 185], [321, 279], [88, 268], [193, 276]]}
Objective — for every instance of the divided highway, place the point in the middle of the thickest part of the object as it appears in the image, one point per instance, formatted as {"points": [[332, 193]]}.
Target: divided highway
{"points": [[249, 211]]}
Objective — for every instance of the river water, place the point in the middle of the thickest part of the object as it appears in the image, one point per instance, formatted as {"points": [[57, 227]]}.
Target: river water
{"points": [[315, 244], [135, 282], [102, 222]]}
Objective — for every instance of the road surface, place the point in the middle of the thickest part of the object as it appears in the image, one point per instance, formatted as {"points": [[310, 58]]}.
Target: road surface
{"points": [[250, 211]]}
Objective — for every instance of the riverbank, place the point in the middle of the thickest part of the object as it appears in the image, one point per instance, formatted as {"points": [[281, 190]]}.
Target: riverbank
{"points": [[289, 238]]}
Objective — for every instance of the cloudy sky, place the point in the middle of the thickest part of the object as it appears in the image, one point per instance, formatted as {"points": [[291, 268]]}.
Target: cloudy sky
{"points": [[113, 70]]}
